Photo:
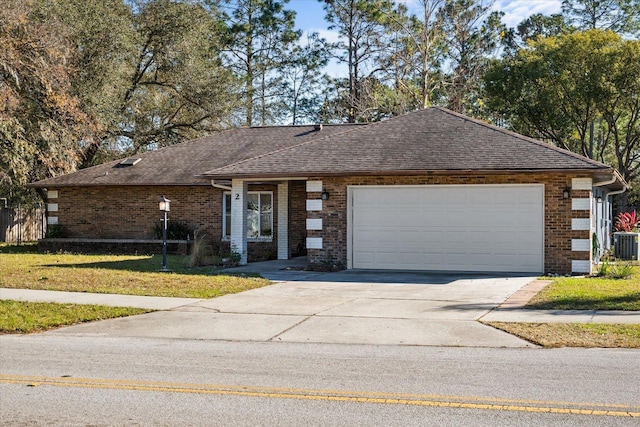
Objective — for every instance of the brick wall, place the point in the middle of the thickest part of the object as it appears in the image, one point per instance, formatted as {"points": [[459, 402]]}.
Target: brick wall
{"points": [[131, 212], [297, 218], [558, 213]]}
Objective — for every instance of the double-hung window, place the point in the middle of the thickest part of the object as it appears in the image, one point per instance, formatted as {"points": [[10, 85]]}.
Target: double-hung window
{"points": [[259, 215]]}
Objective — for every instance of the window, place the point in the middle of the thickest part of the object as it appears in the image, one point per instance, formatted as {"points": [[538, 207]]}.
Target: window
{"points": [[259, 215]]}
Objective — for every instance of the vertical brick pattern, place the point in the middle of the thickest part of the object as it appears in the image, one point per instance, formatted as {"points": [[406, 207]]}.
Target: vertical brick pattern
{"points": [[558, 213], [297, 218]]}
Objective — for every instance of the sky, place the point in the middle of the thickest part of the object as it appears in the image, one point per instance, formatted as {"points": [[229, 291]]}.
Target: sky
{"points": [[310, 17]]}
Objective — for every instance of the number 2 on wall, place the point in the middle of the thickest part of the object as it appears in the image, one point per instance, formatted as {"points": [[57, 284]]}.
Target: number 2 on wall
{"points": [[237, 196]]}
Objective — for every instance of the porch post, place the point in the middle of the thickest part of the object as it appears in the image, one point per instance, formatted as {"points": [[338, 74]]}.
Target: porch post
{"points": [[239, 219], [283, 220]]}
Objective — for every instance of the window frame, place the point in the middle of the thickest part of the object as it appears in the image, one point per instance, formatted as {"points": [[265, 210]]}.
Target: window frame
{"points": [[259, 238]]}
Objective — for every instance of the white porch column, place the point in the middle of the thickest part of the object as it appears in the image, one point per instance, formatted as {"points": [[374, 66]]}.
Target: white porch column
{"points": [[283, 220], [239, 219]]}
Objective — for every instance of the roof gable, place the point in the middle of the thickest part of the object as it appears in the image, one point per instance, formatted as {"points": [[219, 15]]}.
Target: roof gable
{"points": [[430, 140]]}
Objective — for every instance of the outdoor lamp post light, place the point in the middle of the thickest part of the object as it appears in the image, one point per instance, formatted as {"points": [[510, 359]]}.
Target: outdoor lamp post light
{"points": [[164, 207]]}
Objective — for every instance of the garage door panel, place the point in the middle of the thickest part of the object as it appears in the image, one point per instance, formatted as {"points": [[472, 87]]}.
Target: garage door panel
{"points": [[465, 227]]}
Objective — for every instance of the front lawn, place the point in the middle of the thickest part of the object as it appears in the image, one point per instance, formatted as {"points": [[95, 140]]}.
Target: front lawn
{"points": [[574, 334], [582, 293], [19, 317], [22, 267], [590, 293]]}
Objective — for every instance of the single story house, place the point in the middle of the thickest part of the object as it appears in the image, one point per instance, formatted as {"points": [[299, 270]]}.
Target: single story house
{"points": [[427, 190]]}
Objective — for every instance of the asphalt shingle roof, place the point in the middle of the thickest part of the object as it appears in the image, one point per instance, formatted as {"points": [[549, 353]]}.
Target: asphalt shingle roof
{"points": [[434, 139], [430, 140], [183, 164]]}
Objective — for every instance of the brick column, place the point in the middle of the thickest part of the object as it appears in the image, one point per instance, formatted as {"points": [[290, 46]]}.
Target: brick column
{"points": [[239, 219], [283, 220], [581, 225]]}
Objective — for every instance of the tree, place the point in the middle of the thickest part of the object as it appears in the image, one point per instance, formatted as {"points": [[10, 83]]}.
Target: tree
{"points": [[558, 86], [361, 23], [260, 31], [176, 88], [41, 120], [621, 16], [472, 35], [414, 62], [103, 43], [302, 80], [534, 27]]}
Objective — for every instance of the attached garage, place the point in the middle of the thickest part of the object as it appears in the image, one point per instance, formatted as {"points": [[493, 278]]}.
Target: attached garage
{"points": [[497, 228]]}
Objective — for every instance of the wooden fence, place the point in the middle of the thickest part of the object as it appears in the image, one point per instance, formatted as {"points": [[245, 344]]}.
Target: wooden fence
{"points": [[22, 223]]}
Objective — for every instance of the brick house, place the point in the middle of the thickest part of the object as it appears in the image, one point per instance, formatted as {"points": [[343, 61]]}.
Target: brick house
{"points": [[428, 190]]}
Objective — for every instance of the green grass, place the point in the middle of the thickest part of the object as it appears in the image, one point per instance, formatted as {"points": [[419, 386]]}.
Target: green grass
{"points": [[22, 267], [590, 293], [574, 334], [18, 317], [582, 293]]}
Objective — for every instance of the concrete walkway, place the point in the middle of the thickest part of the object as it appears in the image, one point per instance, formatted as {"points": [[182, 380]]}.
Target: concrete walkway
{"points": [[113, 300]]}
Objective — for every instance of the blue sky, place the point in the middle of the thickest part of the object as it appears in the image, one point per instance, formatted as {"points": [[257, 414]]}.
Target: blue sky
{"points": [[310, 17]]}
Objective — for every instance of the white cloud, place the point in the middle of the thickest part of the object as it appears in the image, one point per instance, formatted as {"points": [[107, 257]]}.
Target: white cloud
{"points": [[516, 11], [329, 35]]}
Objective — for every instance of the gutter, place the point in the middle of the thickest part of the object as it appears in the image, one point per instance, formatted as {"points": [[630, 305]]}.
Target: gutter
{"points": [[613, 179], [221, 186]]}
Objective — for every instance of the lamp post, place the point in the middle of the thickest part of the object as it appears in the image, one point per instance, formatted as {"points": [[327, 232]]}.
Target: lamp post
{"points": [[164, 207]]}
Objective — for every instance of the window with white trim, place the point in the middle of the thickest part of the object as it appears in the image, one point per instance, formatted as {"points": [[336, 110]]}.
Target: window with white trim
{"points": [[259, 215]]}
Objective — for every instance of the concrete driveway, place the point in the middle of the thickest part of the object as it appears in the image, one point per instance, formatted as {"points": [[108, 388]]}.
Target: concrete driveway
{"points": [[349, 307]]}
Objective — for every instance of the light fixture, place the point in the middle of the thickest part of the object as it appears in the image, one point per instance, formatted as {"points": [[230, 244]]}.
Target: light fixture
{"points": [[325, 195], [164, 206], [599, 199], [566, 193]]}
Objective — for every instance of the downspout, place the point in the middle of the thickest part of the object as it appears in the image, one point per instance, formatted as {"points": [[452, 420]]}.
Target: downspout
{"points": [[606, 245], [613, 193], [610, 210]]}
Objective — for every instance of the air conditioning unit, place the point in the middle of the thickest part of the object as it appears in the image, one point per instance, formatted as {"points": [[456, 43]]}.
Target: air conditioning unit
{"points": [[626, 245]]}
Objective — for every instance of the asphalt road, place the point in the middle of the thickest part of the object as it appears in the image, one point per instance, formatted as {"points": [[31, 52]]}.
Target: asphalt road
{"points": [[67, 380]]}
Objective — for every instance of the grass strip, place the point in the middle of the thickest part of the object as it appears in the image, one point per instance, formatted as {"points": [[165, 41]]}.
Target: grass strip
{"points": [[590, 293], [589, 335], [20, 317]]}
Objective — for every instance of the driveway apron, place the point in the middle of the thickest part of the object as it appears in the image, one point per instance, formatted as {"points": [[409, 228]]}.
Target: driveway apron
{"points": [[349, 307]]}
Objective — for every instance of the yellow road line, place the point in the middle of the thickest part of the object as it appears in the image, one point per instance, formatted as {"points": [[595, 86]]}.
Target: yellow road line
{"points": [[467, 402]]}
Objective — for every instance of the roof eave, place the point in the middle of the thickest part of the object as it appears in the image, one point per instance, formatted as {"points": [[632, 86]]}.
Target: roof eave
{"points": [[273, 175], [43, 184]]}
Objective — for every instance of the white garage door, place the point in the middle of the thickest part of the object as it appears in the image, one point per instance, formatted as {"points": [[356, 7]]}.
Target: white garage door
{"points": [[447, 227]]}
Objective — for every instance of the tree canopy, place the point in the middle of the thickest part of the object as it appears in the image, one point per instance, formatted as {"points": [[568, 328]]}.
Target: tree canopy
{"points": [[86, 81], [578, 91]]}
